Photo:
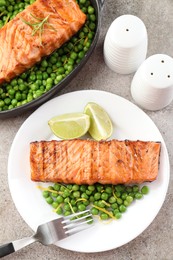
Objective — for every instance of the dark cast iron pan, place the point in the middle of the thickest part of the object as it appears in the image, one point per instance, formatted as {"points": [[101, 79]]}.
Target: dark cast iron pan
{"points": [[97, 4]]}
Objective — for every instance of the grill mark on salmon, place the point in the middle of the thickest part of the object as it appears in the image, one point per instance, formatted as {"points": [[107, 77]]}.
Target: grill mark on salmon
{"points": [[20, 49], [88, 162]]}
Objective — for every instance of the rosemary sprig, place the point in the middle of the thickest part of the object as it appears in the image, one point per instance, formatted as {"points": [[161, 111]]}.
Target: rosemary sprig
{"points": [[38, 25], [7, 19], [1, 14]]}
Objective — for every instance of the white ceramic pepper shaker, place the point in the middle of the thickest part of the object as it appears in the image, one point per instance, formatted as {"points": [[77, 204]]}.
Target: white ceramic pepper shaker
{"points": [[152, 84]]}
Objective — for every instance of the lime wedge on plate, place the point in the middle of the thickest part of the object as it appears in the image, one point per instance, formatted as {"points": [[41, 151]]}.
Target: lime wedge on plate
{"points": [[100, 123], [69, 126]]}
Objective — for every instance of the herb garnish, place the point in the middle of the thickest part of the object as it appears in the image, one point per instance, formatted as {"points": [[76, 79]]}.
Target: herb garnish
{"points": [[38, 25]]}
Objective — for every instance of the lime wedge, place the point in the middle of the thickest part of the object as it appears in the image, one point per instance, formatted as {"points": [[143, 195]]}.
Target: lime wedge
{"points": [[100, 123], [69, 126]]}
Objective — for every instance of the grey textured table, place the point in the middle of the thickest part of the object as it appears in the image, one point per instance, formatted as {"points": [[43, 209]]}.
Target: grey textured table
{"points": [[156, 242]]}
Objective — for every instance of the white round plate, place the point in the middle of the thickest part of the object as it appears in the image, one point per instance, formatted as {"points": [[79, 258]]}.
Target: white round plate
{"points": [[129, 122]]}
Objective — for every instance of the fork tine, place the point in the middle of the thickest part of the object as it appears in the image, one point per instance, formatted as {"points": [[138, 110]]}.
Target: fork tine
{"points": [[75, 225], [75, 220], [68, 218], [79, 227], [71, 220]]}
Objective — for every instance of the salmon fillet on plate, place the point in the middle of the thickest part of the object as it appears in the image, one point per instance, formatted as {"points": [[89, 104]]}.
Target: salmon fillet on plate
{"points": [[21, 46], [88, 161]]}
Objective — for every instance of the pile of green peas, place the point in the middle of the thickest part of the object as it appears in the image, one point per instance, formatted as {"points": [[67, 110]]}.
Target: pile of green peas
{"points": [[105, 201], [51, 70]]}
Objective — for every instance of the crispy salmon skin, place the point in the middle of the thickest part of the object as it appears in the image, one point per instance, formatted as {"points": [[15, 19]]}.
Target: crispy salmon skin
{"points": [[21, 47], [88, 162]]}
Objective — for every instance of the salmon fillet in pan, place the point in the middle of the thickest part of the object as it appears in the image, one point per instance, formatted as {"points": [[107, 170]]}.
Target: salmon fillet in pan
{"points": [[88, 162], [21, 48]]}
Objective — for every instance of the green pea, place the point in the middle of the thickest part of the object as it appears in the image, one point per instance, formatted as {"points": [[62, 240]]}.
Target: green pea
{"points": [[90, 35], [55, 204], [88, 192], [94, 211], [104, 216], [44, 63], [75, 187], [45, 75], [101, 204], [53, 59], [2, 103], [114, 206], [66, 193], [129, 199], [82, 207], [49, 70], [126, 203], [135, 188], [83, 188], [60, 70], [119, 201], [53, 75], [112, 200], [67, 213], [34, 86], [7, 101], [145, 190], [13, 82], [37, 93], [99, 187], [86, 202], [104, 196], [91, 199], [118, 215], [18, 96], [59, 210], [2, 3], [59, 199], [76, 194], [67, 207], [119, 188], [54, 194], [91, 10], [92, 17], [75, 209], [82, 1], [138, 195], [118, 194], [67, 200], [122, 208], [49, 200], [73, 55], [97, 196], [124, 195], [84, 196], [56, 186], [73, 202], [14, 102]]}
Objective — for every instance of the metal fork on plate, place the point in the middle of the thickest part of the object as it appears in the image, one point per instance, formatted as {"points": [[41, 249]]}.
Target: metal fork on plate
{"points": [[51, 232]]}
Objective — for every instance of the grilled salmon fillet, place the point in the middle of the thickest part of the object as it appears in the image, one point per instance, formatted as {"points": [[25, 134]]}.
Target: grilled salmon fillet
{"points": [[21, 47], [88, 162]]}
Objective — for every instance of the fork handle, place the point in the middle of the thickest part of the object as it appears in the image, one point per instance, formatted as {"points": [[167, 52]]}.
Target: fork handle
{"points": [[6, 249], [14, 246]]}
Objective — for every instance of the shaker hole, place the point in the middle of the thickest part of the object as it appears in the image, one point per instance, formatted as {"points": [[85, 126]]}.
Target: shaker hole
{"points": [[127, 30], [162, 61], [169, 76], [152, 73]]}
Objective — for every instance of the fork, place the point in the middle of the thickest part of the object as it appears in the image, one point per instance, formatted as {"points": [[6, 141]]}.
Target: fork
{"points": [[51, 232]]}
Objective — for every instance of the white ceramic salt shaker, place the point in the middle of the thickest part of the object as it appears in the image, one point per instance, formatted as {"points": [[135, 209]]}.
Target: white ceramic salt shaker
{"points": [[125, 45], [152, 84]]}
